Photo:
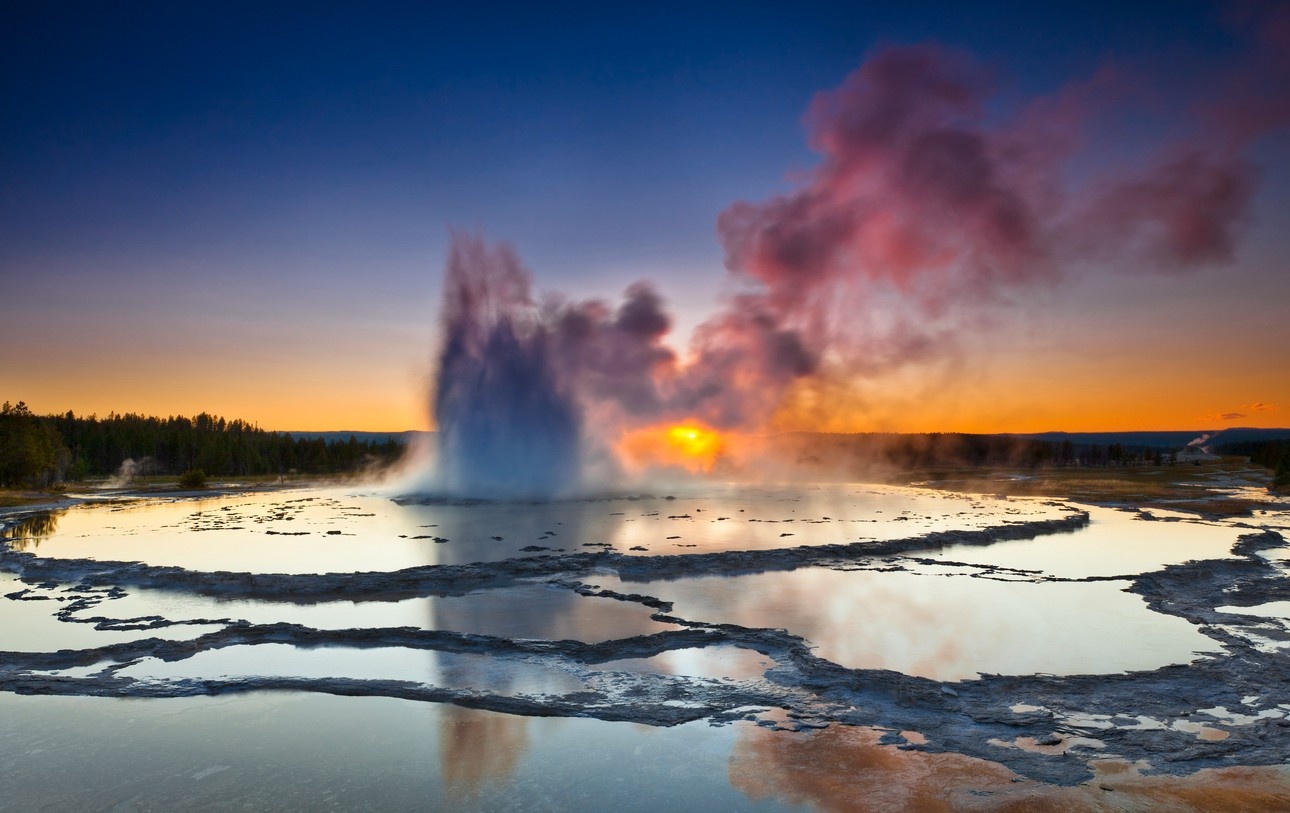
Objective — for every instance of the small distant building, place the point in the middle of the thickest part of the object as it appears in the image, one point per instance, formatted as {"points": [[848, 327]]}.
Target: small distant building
{"points": [[1195, 454]]}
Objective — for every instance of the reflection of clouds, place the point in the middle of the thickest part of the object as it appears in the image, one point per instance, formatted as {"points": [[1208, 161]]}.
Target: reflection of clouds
{"points": [[320, 531], [544, 613], [1113, 543], [28, 533], [851, 618], [944, 627], [308, 531], [719, 661], [755, 517], [472, 528], [478, 748], [845, 769]]}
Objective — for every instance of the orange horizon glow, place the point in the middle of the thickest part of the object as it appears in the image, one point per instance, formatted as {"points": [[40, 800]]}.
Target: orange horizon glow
{"points": [[690, 445], [986, 412], [1076, 379]]}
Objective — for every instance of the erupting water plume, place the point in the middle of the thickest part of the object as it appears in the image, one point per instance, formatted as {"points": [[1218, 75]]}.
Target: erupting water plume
{"points": [[506, 424]]}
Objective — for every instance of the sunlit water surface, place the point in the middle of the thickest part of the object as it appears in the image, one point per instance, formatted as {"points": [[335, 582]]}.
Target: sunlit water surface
{"points": [[1011, 608], [293, 752], [942, 624], [327, 531], [953, 614]]}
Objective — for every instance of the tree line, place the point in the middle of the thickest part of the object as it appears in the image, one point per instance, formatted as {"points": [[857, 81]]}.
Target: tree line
{"points": [[1274, 454], [954, 449], [39, 450]]}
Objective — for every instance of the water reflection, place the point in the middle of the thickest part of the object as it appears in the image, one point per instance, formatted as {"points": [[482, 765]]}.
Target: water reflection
{"points": [[31, 624], [478, 750], [944, 622], [945, 627], [727, 662], [1115, 543], [292, 752], [543, 612], [477, 673], [29, 532], [845, 770], [318, 531], [315, 531], [526, 611]]}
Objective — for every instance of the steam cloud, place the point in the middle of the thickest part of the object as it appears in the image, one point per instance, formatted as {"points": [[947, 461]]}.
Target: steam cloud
{"points": [[922, 205], [127, 471]]}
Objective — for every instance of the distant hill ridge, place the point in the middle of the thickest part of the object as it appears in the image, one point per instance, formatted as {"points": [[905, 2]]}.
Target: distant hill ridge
{"points": [[1164, 440]]}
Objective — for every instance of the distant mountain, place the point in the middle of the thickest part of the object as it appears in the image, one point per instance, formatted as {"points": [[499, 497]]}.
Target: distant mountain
{"points": [[1247, 435], [1164, 440]]}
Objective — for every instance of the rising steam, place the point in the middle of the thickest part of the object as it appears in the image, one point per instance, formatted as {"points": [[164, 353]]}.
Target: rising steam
{"points": [[922, 208], [127, 471]]}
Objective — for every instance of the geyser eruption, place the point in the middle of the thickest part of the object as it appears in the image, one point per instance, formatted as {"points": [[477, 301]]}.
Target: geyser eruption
{"points": [[507, 424], [926, 211]]}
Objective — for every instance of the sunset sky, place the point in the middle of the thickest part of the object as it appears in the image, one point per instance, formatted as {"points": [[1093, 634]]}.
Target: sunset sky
{"points": [[245, 210]]}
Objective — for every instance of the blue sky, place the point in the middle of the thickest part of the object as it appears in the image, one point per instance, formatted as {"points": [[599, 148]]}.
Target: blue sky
{"points": [[272, 172]]}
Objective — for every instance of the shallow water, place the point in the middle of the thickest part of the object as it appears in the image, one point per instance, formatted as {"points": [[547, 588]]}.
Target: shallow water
{"points": [[1115, 543], [322, 531], [725, 644], [291, 752], [724, 662], [280, 752], [439, 669], [944, 627], [529, 611], [986, 610], [30, 624]]}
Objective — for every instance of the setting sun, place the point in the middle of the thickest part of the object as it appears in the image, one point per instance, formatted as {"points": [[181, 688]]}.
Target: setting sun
{"points": [[693, 440], [689, 445]]}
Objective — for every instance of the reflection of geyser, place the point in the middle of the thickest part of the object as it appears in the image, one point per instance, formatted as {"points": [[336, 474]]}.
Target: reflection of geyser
{"points": [[507, 427]]}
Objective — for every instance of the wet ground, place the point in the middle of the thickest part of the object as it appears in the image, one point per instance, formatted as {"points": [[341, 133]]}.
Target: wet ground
{"points": [[327, 531], [724, 643]]}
